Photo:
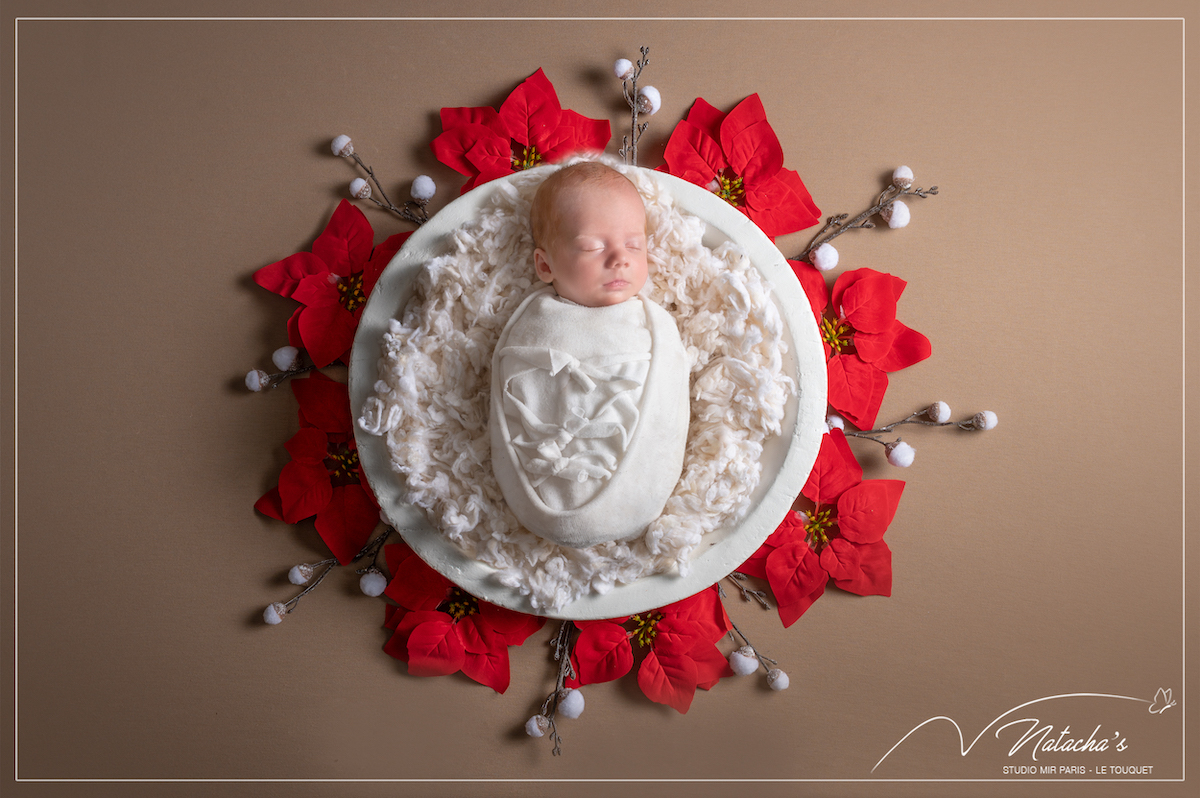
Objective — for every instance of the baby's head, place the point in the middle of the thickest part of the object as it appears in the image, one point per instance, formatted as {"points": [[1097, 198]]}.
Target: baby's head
{"points": [[589, 230]]}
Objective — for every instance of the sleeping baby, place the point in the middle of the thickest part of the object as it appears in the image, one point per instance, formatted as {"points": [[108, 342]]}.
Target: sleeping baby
{"points": [[589, 406]]}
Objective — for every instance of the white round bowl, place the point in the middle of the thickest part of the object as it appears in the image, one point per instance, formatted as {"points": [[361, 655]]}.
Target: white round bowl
{"points": [[787, 458]]}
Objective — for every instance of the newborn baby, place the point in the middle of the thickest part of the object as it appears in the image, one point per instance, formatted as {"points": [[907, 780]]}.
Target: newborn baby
{"points": [[589, 406]]}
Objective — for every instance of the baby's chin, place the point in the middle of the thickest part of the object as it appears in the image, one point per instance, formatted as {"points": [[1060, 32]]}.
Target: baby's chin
{"points": [[604, 298]]}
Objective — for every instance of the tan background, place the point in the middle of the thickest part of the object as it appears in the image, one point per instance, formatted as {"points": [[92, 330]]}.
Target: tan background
{"points": [[159, 163]]}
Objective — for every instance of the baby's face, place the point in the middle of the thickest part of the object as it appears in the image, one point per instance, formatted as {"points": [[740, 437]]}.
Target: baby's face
{"points": [[598, 254]]}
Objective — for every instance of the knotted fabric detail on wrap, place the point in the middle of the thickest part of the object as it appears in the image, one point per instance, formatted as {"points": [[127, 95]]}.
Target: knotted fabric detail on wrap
{"points": [[571, 389]]}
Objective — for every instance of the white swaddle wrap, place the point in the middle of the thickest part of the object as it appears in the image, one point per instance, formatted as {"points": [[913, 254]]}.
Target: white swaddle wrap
{"points": [[589, 417]]}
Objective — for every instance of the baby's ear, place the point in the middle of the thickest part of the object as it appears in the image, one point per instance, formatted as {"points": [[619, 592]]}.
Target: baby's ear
{"points": [[542, 265]]}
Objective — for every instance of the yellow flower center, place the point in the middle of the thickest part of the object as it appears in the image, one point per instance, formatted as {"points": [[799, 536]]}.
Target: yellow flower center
{"points": [[820, 522], [730, 189], [350, 292], [343, 465], [459, 604], [525, 157], [646, 627], [838, 334]]}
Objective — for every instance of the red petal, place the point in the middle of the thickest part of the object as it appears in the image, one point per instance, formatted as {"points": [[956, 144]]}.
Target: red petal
{"points": [[324, 403], [865, 510], [692, 155], [813, 283], [907, 347], [304, 490], [872, 347], [679, 635], [397, 645], [327, 332], [346, 523], [869, 304], [416, 586], [790, 613], [875, 571], [452, 146], [284, 276], [381, 256], [754, 153], [856, 389], [270, 504], [602, 653], [489, 668], [487, 175], [835, 471], [591, 134], [392, 616], [841, 559], [396, 553], [483, 115], [711, 666], [705, 610], [575, 133], [781, 204], [491, 156], [884, 283], [790, 191], [531, 111], [668, 680], [793, 572], [746, 114], [756, 564], [477, 636], [707, 118], [308, 444], [317, 291], [512, 627], [751, 145], [472, 182], [434, 647], [293, 329], [790, 530], [797, 580], [346, 241]]}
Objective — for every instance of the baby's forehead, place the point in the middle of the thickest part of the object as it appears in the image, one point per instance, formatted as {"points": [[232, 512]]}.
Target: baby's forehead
{"points": [[561, 203], [619, 195], [616, 187]]}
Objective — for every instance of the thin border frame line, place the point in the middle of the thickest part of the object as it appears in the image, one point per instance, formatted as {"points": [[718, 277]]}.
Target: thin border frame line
{"points": [[17, 22]]}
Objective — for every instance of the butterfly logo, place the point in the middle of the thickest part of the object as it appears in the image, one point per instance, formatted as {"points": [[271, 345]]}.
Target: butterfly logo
{"points": [[1162, 701]]}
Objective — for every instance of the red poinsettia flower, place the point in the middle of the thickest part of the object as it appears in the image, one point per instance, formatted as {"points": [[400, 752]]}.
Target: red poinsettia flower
{"points": [[530, 128], [324, 477], [863, 339], [679, 639], [840, 538], [738, 156], [441, 629], [331, 283]]}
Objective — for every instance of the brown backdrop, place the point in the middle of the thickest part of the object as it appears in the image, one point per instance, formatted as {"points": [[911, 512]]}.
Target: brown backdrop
{"points": [[158, 164]]}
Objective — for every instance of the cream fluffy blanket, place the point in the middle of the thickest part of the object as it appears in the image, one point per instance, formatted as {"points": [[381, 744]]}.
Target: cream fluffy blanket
{"points": [[432, 397]]}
